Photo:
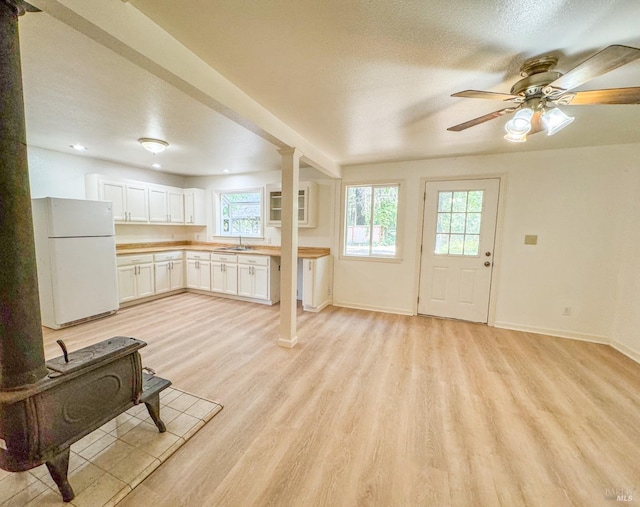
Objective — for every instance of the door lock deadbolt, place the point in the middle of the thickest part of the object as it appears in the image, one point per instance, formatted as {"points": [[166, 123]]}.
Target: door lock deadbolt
{"points": [[488, 254]]}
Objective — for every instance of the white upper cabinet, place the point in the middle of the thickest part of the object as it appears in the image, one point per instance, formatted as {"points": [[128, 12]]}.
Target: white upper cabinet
{"points": [[194, 206], [139, 202], [129, 199], [166, 205], [307, 205], [158, 204]]}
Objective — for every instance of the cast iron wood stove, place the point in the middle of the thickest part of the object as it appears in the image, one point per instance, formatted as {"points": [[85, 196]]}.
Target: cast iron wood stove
{"points": [[83, 390]]}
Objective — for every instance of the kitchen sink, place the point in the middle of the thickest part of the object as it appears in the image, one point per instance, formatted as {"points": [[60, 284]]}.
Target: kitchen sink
{"points": [[232, 249]]}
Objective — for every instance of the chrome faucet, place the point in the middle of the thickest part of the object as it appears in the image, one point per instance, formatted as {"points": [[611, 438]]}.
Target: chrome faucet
{"points": [[240, 239]]}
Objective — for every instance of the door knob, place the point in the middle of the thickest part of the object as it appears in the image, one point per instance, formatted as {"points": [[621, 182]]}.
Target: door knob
{"points": [[488, 254], [487, 263]]}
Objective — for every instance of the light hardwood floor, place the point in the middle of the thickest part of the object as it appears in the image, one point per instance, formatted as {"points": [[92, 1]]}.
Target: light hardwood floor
{"points": [[375, 409]]}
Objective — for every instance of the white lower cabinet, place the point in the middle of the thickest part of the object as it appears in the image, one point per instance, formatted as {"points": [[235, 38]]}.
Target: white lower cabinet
{"points": [[253, 276], [198, 270], [169, 271], [224, 273], [248, 277], [135, 277], [316, 283]]}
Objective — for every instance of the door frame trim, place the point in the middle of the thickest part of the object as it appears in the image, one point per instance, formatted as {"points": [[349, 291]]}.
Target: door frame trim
{"points": [[497, 251]]}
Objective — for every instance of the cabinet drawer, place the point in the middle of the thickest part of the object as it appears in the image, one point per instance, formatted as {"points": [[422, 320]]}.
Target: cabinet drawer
{"points": [[167, 256], [254, 260], [202, 256], [226, 258], [130, 260]]}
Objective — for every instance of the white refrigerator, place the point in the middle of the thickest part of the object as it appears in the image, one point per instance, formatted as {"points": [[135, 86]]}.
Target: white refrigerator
{"points": [[76, 259]]}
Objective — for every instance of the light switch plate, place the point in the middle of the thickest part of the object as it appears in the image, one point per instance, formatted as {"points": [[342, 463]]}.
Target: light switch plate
{"points": [[531, 239]]}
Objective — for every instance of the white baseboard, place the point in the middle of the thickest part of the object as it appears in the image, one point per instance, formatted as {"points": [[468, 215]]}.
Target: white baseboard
{"points": [[623, 349], [560, 333], [371, 308]]}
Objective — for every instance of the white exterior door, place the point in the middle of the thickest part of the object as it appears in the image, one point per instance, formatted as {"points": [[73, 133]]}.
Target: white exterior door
{"points": [[457, 248]]}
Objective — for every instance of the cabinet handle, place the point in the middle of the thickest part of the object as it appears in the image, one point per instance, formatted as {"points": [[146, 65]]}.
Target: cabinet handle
{"points": [[309, 265]]}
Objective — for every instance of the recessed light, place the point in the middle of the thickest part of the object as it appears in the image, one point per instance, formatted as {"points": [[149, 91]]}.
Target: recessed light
{"points": [[156, 166], [78, 147], [226, 171]]}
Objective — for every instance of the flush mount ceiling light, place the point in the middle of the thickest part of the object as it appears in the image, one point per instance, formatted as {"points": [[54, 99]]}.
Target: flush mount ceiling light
{"points": [[153, 145], [156, 166], [542, 89], [78, 147]]}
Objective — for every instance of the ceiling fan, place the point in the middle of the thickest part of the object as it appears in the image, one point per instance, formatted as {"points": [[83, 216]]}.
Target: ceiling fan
{"points": [[536, 96]]}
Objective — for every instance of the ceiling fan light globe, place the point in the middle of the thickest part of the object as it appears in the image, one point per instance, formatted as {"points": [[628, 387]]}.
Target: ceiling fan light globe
{"points": [[555, 120], [520, 124], [516, 138]]}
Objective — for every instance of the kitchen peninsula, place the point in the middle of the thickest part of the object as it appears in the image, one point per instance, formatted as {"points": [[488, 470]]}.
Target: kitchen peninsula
{"points": [[148, 271]]}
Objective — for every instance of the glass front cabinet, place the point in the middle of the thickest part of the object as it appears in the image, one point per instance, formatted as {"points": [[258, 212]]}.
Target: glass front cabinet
{"points": [[306, 205]]}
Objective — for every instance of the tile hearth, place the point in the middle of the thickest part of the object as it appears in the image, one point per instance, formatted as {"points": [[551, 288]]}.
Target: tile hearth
{"points": [[109, 462]]}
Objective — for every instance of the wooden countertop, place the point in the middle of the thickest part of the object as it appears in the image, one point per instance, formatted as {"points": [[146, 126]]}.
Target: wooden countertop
{"points": [[273, 251]]}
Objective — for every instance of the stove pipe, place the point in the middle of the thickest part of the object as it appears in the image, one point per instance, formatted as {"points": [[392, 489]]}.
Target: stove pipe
{"points": [[21, 346]]}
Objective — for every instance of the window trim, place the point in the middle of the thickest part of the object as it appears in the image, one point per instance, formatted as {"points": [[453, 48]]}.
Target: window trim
{"points": [[217, 210], [400, 221]]}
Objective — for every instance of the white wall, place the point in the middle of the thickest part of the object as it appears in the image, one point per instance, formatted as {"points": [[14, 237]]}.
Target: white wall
{"points": [[56, 174], [626, 328], [570, 198], [320, 236]]}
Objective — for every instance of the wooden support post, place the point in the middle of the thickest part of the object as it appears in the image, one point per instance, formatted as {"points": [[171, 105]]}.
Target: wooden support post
{"points": [[289, 247]]}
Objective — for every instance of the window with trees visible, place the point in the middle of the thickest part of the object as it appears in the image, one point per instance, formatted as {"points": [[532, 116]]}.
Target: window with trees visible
{"points": [[240, 213], [371, 220]]}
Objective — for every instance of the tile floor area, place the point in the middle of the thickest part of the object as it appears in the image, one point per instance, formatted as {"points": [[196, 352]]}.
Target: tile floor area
{"points": [[108, 463]]}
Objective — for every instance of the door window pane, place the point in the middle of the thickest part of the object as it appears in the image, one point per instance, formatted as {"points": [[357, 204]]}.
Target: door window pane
{"points": [[458, 223]]}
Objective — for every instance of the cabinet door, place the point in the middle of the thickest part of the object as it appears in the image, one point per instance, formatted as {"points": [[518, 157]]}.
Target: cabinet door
{"points": [[193, 274], [137, 203], [144, 280], [308, 283], [177, 275], [205, 275], [158, 205], [126, 283], [245, 280], [275, 208], [115, 192], [260, 282], [189, 207], [175, 206], [231, 278], [217, 277], [163, 277]]}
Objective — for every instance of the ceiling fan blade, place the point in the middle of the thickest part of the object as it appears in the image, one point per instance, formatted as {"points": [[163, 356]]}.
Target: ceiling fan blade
{"points": [[477, 94], [609, 96], [608, 59], [482, 119]]}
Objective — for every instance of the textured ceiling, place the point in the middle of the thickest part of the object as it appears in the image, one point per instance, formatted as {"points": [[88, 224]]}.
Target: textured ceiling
{"points": [[363, 81]]}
